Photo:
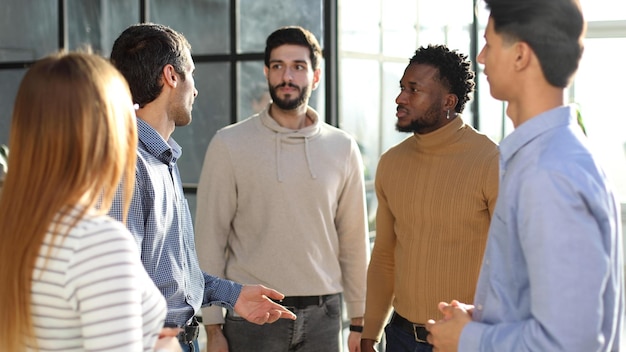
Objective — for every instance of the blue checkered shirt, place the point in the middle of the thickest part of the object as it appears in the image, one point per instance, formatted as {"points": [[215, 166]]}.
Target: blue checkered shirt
{"points": [[160, 221]]}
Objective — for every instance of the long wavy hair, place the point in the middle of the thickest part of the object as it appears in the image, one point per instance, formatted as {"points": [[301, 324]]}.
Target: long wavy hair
{"points": [[73, 139]]}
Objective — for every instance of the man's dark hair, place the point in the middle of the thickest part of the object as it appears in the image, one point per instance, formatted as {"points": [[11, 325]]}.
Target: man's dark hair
{"points": [[552, 28], [455, 71], [141, 52], [294, 35]]}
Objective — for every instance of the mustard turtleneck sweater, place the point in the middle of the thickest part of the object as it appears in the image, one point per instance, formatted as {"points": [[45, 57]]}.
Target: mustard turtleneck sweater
{"points": [[436, 193]]}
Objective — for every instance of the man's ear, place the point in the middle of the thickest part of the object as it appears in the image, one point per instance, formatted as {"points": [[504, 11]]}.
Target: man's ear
{"points": [[524, 54], [316, 78], [170, 76], [449, 101]]}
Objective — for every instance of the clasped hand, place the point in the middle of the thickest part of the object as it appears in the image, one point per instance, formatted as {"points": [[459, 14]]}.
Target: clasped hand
{"points": [[444, 334]]}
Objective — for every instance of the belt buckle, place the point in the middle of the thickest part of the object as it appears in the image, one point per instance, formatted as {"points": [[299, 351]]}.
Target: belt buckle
{"points": [[192, 332], [188, 333], [416, 333]]}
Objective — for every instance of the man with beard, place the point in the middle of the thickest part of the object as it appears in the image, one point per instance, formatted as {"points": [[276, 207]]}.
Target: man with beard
{"points": [[281, 201], [156, 61], [436, 194]]}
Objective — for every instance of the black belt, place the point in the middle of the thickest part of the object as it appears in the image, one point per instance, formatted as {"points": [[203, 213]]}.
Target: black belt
{"points": [[189, 332], [417, 330], [301, 302]]}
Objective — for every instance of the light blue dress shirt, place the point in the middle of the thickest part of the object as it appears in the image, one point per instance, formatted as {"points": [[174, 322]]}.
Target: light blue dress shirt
{"points": [[160, 221], [552, 274]]}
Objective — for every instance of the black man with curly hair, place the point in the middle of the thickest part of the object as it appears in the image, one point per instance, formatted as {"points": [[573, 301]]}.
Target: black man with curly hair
{"points": [[436, 194]]}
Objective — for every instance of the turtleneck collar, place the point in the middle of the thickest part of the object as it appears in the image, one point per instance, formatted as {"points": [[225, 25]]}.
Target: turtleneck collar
{"points": [[446, 135]]}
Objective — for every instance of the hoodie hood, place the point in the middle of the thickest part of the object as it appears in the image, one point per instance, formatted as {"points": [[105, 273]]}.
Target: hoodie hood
{"points": [[289, 136]]}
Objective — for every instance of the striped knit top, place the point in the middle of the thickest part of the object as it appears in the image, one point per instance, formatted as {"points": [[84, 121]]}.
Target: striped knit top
{"points": [[436, 193], [92, 293]]}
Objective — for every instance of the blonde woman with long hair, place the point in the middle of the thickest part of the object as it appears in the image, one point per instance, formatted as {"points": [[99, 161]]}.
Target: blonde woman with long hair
{"points": [[71, 276]]}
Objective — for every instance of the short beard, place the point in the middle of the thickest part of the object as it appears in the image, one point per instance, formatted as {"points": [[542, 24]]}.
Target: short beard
{"points": [[430, 118], [411, 128], [289, 104]]}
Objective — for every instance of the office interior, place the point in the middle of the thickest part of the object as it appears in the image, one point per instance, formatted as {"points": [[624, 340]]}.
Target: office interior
{"points": [[366, 48], [366, 45]]}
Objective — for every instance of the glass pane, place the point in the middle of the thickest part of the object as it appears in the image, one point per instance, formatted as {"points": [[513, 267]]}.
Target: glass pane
{"points": [[492, 113], [211, 111], [28, 29], [359, 26], [453, 29], [392, 73], [318, 101], [9, 84], [492, 119], [603, 10], [259, 18], [444, 12], [359, 113], [399, 23], [604, 124], [98, 23], [205, 23], [252, 89], [360, 108]]}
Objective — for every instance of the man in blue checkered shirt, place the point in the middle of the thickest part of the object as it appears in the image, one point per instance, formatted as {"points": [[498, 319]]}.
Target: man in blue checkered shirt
{"points": [[157, 64]]}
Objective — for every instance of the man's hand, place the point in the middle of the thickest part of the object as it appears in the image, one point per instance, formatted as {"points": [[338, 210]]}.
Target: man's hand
{"points": [[254, 305], [469, 308], [445, 333], [168, 341], [215, 340], [354, 341], [367, 345], [354, 338]]}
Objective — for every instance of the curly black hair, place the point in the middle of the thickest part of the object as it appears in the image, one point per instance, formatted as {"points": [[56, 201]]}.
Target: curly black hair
{"points": [[455, 70]]}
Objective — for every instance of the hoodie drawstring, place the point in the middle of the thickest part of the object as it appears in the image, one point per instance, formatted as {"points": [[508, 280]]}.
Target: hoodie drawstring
{"points": [[307, 154], [308, 158], [278, 173]]}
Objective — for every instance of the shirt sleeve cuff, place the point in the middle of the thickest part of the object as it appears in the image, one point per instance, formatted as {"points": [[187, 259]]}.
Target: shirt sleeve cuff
{"points": [[471, 336], [221, 292]]}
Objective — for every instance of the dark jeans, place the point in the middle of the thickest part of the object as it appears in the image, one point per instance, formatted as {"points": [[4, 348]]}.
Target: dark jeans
{"points": [[399, 340], [317, 329]]}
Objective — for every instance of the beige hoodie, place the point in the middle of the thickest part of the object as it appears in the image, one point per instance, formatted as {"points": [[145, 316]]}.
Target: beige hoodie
{"points": [[285, 209]]}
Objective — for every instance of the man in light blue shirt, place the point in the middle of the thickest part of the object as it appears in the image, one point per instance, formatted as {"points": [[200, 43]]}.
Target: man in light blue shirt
{"points": [[552, 276]]}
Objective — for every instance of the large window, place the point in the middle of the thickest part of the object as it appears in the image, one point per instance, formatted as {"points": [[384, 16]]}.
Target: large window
{"points": [[366, 45], [227, 39], [374, 48], [366, 49], [598, 87]]}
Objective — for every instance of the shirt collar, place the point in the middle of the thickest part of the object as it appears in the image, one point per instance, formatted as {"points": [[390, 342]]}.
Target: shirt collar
{"points": [[533, 128], [168, 152]]}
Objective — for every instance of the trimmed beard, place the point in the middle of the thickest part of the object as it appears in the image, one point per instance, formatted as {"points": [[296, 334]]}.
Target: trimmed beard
{"points": [[289, 104], [430, 118]]}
